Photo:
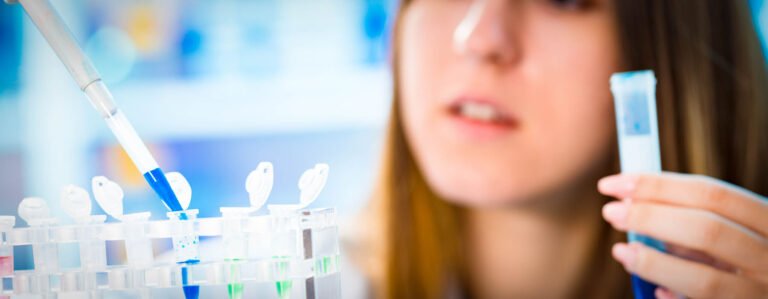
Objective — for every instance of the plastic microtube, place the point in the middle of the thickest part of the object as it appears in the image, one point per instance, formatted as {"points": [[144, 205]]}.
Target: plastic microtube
{"points": [[186, 247], [634, 96], [76, 203], [93, 249], [45, 251], [233, 236], [235, 244], [138, 246], [185, 241], [6, 250]]}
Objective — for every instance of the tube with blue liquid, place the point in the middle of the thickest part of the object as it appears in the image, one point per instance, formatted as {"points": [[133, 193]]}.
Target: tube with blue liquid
{"points": [[637, 127], [55, 31], [186, 248]]}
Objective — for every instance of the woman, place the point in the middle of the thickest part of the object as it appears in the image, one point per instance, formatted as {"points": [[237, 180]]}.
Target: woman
{"points": [[503, 124]]}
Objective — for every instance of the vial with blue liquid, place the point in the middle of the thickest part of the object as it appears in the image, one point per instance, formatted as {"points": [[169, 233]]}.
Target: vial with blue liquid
{"points": [[186, 247], [637, 127]]}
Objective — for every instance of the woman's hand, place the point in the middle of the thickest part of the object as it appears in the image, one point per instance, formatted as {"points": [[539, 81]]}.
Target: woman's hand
{"points": [[716, 234]]}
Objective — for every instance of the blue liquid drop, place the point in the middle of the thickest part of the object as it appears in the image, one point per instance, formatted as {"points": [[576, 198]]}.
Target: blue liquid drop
{"points": [[156, 179], [190, 292]]}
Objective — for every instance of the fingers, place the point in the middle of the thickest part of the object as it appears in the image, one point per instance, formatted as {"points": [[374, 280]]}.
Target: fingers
{"points": [[695, 229], [685, 277], [700, 214], [700, 257], [737, 204]]}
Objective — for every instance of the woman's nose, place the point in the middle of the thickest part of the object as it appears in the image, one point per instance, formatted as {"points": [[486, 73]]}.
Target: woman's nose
{"points": [[485, 33]]}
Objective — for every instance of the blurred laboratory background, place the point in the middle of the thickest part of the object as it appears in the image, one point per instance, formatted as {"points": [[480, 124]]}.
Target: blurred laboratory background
{"points": [[213, 87]]}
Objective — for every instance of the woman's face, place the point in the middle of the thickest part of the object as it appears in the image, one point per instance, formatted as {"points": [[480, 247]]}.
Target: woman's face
{"points": [[504, 101]]}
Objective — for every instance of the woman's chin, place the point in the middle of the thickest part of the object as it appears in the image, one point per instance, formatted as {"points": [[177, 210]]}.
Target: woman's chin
{"points": [[483, 197], [515, 190]]}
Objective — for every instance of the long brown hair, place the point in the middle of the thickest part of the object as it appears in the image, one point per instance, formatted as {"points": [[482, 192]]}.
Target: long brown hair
{"points": [[713, 114]]}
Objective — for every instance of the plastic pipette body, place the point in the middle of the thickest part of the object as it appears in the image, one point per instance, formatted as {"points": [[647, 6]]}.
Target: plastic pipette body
{"points": [[55, 31]]}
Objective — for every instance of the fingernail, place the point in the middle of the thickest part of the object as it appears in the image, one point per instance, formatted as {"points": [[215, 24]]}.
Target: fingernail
{"points": [[625, 254], [661, 293], [617, 185], [664, 293], [616, 213]]}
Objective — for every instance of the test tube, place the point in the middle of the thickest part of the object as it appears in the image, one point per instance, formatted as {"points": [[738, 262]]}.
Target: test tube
{"points": [[186, 248], [285, 246], [45, 252], [639, 151], [93, 249], [138, 247], [6, 250], [235, 245]]}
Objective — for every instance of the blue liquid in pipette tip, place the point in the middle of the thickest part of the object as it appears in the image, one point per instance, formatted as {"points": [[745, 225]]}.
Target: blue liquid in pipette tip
{"points": [[156, 179], [190, 292]]}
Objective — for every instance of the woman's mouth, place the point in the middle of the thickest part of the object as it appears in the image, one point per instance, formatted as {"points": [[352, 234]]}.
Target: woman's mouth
{"points": [[481, 112], [480, 119]]}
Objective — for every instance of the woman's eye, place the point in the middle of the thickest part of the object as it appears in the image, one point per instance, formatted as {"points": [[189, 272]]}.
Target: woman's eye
{"points": [[570, 4]]}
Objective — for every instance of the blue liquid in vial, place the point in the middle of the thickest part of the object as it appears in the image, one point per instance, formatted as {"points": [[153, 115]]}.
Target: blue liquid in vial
{"points": [[642, 288], [156, 179], [190, 292]]}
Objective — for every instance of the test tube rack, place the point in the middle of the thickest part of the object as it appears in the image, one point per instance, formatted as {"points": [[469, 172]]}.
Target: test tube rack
{"points": [[296, 252]]}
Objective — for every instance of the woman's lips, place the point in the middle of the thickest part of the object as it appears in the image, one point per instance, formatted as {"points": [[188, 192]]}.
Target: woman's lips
{"points": [[481, 118]]}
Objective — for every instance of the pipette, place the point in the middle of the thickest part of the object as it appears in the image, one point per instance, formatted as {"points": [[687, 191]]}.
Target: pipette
{"points": [[55, 31]]}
